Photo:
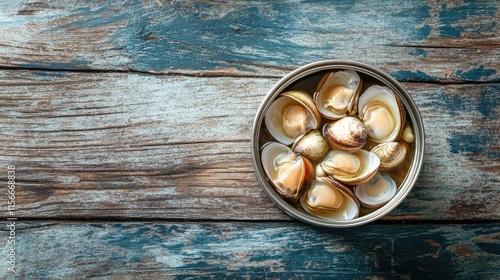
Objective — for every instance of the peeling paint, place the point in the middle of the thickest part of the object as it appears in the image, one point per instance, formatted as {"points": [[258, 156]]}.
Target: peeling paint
{"points": [[468, 143], [406, 75], [238, 249], [476, 74], [452, 15]]}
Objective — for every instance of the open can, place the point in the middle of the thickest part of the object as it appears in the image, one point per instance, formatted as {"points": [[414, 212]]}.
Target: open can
{"points": [[307, 79]]}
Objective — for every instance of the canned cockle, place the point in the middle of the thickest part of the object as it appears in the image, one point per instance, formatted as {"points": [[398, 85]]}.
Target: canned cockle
{"points": [[337, 144]]}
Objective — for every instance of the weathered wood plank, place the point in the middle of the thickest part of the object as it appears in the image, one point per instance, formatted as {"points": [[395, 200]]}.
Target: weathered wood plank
{"points": [[108, 145], [252, 250], [415, 40]]}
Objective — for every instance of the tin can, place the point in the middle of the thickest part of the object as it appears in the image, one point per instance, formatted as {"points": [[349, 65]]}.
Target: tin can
{"points": [[306, 78]]}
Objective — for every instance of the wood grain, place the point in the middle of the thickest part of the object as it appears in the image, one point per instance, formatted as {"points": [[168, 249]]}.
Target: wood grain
{"points": [[140, 115], [118, 145], [414, 41], [253, 250]]}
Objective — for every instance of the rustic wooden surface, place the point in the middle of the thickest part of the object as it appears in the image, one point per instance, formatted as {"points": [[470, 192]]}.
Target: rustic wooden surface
{"points": [[129, 250], [139, 116]]}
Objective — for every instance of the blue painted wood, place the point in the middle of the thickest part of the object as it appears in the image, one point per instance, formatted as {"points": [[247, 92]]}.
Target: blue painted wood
{"points": [[415, 40], [252, 250]]}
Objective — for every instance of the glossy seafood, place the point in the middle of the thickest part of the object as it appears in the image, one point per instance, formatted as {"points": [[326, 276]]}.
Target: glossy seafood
{"points": [[337, 94], [330, 199], [289, 173], [376, 192], [351, 168], [382, 113], [292, 114], [347, 134]]}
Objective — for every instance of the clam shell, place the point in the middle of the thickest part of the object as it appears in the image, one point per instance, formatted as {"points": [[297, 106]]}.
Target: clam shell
{"points": [[347, 134], [330, 199], [351, 168], [311, 145], [391, 154], [382, 113], [275, 113], [319, 172], [289, 173], [376, 192], [337, 94], [407, 134]]}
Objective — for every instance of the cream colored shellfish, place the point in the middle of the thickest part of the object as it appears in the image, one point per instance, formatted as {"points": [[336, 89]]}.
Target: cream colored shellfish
{"points": [[289, 173], [337, 94], [382, 113], [391, 154], [376, 192], [407, 134], [330, 199], [351, 168], [347, 134], [311, 145], [292, 114]]}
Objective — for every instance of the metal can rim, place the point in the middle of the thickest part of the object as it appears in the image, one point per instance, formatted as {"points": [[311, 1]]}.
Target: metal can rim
{"points": [[309, 69]]}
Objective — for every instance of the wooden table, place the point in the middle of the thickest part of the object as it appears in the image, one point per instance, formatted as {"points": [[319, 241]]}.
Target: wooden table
{"points": [[129, 128]]}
